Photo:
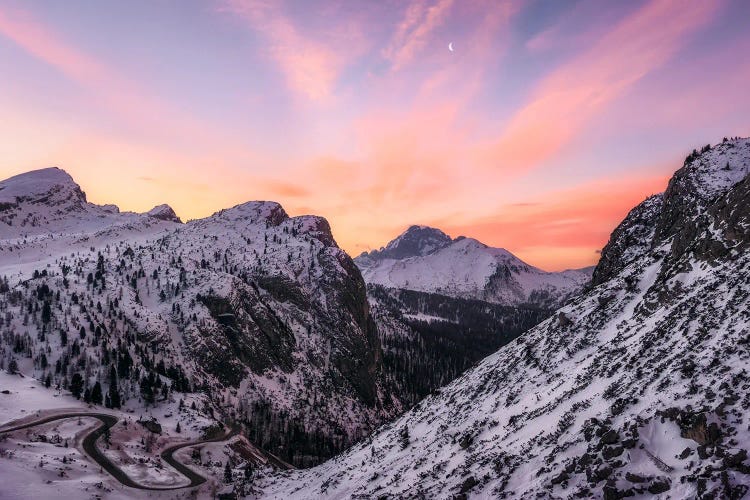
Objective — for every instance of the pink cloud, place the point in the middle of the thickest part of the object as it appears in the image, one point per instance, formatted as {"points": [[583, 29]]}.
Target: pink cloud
{"points": [[38, 41], [310, 66], [574, 93], [412, 33], [104, 84]]}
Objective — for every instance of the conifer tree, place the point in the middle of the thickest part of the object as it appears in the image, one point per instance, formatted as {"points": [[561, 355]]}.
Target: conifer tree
{"points": [[114, 391], [227, 473], [96, 394], [76, 385]]}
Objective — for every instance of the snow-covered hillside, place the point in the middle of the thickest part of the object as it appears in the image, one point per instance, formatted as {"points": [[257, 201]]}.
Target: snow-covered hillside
{"points": [[637, 388], [260, 312], [49, 460], [427, 260]]}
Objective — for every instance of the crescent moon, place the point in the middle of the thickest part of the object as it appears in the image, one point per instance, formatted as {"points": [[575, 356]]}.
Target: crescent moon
{"points": [[450, 46]]}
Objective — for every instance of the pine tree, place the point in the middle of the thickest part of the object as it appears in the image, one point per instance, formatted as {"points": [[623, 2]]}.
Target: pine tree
{"points": [[114, 391], [147, 390], [76, 385], [46, 313], [178, 429], [227, 473], [96, 394]]}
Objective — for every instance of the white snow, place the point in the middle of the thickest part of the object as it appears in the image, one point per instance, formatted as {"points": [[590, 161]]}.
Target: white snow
{"points": [[466, 268]]}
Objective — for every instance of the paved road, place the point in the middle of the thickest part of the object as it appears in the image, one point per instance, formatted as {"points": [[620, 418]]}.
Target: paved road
{"points": [[107, 422]]}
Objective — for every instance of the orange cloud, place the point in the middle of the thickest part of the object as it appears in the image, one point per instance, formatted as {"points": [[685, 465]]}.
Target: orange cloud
{"points": [[410, 162], [565, 228], [284, 189], [568, 98]]}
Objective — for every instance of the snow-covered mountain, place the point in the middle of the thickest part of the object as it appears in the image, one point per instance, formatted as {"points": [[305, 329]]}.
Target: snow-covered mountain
{"points": [[639, 387], [260, 312], [47, 202], [164, 212], [427, 260]]}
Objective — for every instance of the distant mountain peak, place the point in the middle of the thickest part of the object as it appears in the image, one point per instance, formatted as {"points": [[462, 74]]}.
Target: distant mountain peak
{"points": [[164, 212], [426, 259], [48, 185], [416, 241]]}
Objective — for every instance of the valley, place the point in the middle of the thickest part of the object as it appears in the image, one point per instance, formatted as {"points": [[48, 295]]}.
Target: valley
{"points": [[623, 380]]}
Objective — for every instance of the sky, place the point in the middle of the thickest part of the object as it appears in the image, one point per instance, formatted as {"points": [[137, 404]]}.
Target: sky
{"points": [[543, 127]]}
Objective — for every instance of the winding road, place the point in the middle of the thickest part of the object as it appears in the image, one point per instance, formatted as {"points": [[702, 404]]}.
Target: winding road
{"points": [[107, 422]]}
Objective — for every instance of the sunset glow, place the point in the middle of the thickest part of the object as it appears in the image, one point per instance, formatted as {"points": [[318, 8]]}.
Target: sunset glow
{"points": [[544, 126]]}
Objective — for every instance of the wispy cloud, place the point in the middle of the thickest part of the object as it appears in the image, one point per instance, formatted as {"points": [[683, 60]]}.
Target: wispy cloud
{"points": [[39, 41], [570, 96], [113, 93], [310, 66], [420, 19]]}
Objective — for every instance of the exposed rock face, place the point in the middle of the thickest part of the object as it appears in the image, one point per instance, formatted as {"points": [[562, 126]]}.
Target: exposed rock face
{"points": [[682, 212], [415, 241], [630, 241], [164, 212], [637, 387]]}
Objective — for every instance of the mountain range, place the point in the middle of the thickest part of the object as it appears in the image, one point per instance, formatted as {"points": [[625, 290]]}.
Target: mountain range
{"points": [[435, 367], [637, 387]]}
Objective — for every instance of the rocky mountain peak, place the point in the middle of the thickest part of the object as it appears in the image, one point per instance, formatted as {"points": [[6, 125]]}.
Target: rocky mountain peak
{"points": [[316, 226], [705, 175], [679, 214], [416, 241], [269, 212], [164, 212], [49, 186]]}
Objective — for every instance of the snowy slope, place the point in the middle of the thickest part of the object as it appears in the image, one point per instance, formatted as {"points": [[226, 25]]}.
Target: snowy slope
{"points": [[47, 461], [639, 387], [260, 312], [427, 260]]}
